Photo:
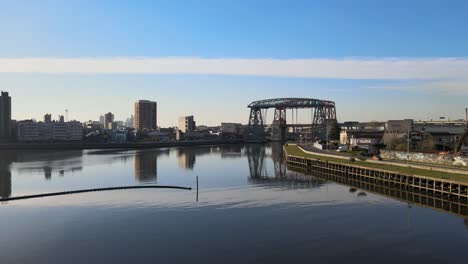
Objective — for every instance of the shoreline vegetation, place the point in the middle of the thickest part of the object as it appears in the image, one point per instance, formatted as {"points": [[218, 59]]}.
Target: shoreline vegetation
{"points": [[294, 150]]}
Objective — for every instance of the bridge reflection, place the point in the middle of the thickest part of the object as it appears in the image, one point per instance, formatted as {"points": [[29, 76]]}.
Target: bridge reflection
{"points": [[292, 177], [439, 203], [260, 173]]}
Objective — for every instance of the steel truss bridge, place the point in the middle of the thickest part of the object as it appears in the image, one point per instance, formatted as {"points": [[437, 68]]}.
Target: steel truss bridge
{"points": [[323, 115]]}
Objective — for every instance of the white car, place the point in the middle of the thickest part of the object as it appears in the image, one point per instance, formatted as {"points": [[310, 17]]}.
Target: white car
{"points": [[342, 149]]}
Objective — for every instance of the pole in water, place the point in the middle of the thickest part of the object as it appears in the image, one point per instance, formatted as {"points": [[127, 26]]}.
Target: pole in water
{"points": [[197, 189]]}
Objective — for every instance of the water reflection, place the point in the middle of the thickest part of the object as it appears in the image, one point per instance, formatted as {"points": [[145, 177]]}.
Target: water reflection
{"points": [[5, 173], [187, 157], [360, 187], [146, 165], [267, 169], [231, 151], [48, 162], [258, 158], [36, 162]]}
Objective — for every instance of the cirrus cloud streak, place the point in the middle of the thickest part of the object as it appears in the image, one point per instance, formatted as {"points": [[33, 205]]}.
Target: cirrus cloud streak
{"points": [[348, 68]]}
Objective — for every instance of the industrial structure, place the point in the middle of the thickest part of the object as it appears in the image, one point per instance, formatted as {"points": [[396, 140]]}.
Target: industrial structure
{"points": [[323, 116]]}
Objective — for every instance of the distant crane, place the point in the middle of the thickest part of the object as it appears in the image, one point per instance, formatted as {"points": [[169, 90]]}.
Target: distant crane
{"points": [[463, 138]]}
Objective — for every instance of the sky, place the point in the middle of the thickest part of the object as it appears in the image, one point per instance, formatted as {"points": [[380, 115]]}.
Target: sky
{"points": [[378, 60]]}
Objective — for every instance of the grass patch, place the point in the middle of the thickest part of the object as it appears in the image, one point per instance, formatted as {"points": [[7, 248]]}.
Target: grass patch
{"points": [[296, 151]]}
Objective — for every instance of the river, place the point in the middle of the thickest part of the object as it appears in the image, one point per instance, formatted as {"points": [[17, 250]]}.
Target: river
{"points": [[249, 209]]}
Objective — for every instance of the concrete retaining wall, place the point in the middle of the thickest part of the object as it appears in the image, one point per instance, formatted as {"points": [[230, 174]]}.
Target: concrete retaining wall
{"points": [[425, 157]]}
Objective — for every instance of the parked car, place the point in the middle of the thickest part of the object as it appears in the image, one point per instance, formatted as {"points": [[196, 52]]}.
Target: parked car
{"points": [[343, 148]]}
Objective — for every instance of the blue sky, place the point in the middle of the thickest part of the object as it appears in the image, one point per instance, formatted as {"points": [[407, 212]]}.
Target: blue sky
{"points": [[431, 36]]}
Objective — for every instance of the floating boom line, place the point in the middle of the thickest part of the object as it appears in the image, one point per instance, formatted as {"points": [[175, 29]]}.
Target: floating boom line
{"points": [[93, 190]]}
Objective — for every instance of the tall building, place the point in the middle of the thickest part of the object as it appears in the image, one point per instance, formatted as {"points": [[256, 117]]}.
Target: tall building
{"points": [[5, 116], [187, 124], [130, 122], [108, 120], [48, 118], [146, 117], [102, 120]]}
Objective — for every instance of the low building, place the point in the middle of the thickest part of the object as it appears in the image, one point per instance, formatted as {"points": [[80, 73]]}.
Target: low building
{"points": [[361, 139], [160, 135], [363, 126], [30, 130], [231, 128], [346, 137], [364, 143], [94, 125], [400, 126], [119, 136]]}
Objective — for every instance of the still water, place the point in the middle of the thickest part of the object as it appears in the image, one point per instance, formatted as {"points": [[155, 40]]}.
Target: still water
{"points": [[250, 209]]}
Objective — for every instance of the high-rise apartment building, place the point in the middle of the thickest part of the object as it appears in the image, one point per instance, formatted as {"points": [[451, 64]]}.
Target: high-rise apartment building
{"points": [[187, 124], [5, 116], [146, 117]]}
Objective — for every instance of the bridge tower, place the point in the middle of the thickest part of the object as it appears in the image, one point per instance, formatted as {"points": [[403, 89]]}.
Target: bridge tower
{"points": [[256, 129], [278, 129]]}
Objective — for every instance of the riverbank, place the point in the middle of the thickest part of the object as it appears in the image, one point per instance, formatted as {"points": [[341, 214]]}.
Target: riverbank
{"points": [[133, 145], [294, 150]]}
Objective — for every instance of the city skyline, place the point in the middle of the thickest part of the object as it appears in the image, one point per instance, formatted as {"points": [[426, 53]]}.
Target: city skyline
{"points": [[212, 60], [234, 109]]}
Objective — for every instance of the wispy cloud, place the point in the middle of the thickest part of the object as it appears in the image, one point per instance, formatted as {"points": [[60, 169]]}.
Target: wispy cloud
{"points": [[447, 69], [454, 87]]}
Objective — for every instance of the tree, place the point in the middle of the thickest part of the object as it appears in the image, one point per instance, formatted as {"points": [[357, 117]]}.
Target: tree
{"points": [[428, 143], [334, 133], [399, 144]]}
